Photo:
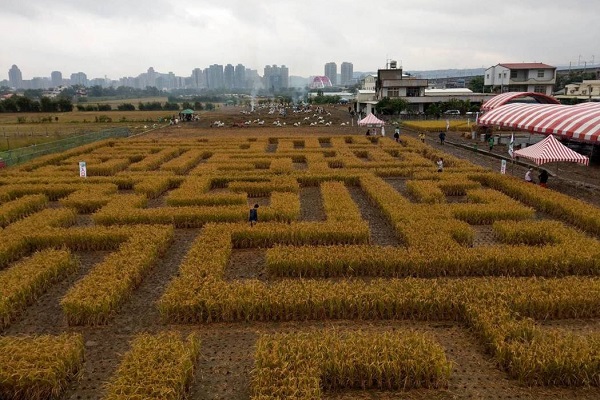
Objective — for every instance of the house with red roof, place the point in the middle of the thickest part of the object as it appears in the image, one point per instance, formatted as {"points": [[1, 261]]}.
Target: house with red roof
{"points": [[520, 77]]}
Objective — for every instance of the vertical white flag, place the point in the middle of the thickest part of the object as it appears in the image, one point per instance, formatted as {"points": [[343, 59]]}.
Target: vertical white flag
{"points": [[511, 145], [447, 124]]}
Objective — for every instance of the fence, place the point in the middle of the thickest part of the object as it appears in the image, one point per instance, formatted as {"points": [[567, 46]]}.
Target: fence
{"points": [[24, 154]]}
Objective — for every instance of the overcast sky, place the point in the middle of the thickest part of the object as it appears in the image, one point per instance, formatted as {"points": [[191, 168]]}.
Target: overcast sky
{"points": [[123, 38]]}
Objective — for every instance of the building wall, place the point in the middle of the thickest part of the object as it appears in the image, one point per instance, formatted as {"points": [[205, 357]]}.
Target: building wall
{"points": [[347, 73], [331, 72]]}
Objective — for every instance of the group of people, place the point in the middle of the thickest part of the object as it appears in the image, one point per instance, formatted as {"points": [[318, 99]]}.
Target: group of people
{"points": [[543, 177]]}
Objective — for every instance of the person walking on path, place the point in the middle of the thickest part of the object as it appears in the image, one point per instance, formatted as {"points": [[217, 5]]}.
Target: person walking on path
{"points": [[491, 143], [368, 132], [422, 137], [442, 137], [440, 165], [253, 217], [528, 177], [397, 134], [543, 178]]}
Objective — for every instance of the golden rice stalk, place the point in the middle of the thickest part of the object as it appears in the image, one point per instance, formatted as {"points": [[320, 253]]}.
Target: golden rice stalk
{"points": [[39, 367], [301, 365], [153, 161], [96, 297], [157, 367], [90, 198], [20, 208], [24, 282]]}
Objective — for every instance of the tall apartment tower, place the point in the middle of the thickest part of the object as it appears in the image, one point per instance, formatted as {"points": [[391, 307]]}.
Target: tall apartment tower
{"points": [[15, 77], [228, 76], [284, 73], [276, 78], [79, 78], [198, 80], [56, 77], [331, 72], [239, 78], [347, 73], [214, 77]]}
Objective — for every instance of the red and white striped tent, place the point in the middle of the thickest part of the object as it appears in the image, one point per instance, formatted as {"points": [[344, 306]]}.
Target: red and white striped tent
{"points": [[371, 120], [510, 97], [551, 150], [580, 123]]}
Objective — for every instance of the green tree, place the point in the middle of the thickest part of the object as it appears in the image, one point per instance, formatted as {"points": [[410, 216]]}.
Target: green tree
{"points": [[389, 106], [476, 84], [64, 104], [47, 105], [126, 107]]}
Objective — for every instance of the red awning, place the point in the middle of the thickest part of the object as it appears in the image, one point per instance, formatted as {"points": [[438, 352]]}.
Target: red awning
{"points": [[580, 122], [507, 97], [551, 150]]}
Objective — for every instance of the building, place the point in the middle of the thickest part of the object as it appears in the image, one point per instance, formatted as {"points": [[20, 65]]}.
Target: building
{"points": [[56, 78], [214, 76], [347, 73], [239, 77], [392, 83], [15, 77], [368, 83], [79, 78], [319, 82], [275, 78], [586, 90], [331, 72], [198, 80], [228, 76], [520, 77]]}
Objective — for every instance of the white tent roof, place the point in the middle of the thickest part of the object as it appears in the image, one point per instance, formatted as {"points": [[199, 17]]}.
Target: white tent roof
{"points": [[551, 150], [371, 120]]}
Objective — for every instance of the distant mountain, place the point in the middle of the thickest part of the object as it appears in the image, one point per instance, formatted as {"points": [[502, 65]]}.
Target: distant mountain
{"points": [[298, 81], [447, 73]]}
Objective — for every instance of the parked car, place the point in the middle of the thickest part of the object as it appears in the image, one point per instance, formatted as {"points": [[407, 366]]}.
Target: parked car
{"points": [[452, 112]]}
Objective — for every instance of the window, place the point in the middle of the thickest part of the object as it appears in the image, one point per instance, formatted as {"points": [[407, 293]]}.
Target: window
{"points": [[514, 74], [487, 76], [540, 73], [413, 92], [499, 76], [395, 92], [540, 89]]}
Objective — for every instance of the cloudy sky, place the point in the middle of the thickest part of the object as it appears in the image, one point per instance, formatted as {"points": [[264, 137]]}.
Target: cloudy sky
{"points": [[124, 37]]}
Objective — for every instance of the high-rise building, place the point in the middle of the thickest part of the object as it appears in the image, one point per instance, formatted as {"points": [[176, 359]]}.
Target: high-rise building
{"points": [[275, 78], [347, 73], [15, 77], [239, 80], [56, 77], [79, 78], [331, 72], [228, 76], [198, 80], [214, 77]]}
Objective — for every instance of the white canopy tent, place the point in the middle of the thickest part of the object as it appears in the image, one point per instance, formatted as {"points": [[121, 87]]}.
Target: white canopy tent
{"points": [[371, 120]]}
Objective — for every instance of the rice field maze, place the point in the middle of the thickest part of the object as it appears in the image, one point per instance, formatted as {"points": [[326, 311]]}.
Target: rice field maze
{"points": [[368, 274]]}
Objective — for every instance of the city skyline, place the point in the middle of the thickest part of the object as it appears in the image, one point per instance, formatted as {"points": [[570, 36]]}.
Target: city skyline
{"points": [[117, 39]]}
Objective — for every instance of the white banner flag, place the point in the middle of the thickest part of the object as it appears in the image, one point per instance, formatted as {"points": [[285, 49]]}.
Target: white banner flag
{"points": [[511, 145], [82, 169], [447, 124]]}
